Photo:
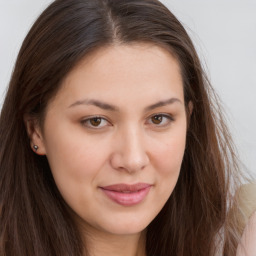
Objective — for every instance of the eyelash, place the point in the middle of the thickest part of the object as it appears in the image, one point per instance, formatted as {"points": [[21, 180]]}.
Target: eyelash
{"points": [[88, 121], [169, 119]]}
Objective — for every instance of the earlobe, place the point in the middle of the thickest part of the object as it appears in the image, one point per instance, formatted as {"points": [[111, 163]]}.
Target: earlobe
{"points": [[35, 135]]}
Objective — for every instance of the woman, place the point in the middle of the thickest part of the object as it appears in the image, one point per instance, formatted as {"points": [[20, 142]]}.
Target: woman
{"points": [[111, 141]]}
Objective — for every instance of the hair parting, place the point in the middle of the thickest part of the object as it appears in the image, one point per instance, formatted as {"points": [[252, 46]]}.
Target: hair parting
{"points": [[35, 220]]}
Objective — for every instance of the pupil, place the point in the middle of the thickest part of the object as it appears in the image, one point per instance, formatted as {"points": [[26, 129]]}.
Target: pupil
{"points": [[157, 119], [95, 121]]}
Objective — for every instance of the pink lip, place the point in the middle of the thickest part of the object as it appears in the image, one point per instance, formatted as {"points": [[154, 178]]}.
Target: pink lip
{"points": [[125, 194]]}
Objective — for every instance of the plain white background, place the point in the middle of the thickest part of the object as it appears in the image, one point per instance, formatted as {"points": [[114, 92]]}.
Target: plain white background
{"points": [[224, 33]]}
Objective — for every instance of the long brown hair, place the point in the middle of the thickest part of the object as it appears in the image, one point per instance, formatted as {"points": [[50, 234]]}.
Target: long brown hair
{"points": [[34, 219]]}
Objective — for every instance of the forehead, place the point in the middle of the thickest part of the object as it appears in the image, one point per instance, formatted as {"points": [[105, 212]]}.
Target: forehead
{"points": [[123, 72]]}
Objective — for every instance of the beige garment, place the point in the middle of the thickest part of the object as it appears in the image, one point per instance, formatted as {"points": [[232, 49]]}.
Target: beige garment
{"points": [[247, 195]]}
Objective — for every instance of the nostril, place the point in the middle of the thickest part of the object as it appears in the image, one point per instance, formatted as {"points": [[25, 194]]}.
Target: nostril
{"points": [[129, 153]]}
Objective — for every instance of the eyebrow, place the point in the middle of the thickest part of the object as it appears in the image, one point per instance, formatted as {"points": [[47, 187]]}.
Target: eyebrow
{"points": [[96, 103], [110, 107], [163, 103]]}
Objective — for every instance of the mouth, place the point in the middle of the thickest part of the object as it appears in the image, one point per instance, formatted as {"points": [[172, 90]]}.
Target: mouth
{"points": [[125, 194]]}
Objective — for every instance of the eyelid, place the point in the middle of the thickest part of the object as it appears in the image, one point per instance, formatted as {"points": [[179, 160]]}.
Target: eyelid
{"points": [[85, 121], [164, 115]]}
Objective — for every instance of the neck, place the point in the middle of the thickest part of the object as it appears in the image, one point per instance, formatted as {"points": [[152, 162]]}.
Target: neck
{"points": [[99, 243]]}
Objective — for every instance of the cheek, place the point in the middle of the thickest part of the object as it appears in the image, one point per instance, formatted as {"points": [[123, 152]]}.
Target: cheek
{"points": [[75, 162], [73, 153], [167, 162], [168, 155]]}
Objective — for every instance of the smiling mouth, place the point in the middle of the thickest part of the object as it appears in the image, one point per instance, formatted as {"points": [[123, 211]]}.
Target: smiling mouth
{"points": [[125, 194]]}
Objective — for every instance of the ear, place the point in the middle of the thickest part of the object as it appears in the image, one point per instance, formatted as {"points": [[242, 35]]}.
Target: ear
{"points": [[189, 112], [190, 108], [35, 135]]}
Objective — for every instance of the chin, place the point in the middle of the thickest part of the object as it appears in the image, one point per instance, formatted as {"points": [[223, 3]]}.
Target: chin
{"points": [[127, 226]]}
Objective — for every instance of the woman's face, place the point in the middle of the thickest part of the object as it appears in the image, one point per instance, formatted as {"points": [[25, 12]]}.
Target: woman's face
{"points": [[114, 136]]}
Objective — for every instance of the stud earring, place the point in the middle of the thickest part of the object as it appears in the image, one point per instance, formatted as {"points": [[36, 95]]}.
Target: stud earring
{"points": [[35, 147]]}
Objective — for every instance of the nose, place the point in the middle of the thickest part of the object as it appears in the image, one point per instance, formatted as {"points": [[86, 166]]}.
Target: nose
{"points": [[129, 153]]}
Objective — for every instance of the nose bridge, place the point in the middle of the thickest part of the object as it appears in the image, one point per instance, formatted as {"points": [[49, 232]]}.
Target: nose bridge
{"points": [[133, 143], [131, 153]]}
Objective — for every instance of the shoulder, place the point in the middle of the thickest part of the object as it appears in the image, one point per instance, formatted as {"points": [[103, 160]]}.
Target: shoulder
{"points": [[247, 198], [247, 246]]}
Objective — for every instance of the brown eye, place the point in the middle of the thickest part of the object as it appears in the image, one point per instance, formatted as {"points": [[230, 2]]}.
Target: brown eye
{"points": [[160, 120], [157, 119], [96, 121]]}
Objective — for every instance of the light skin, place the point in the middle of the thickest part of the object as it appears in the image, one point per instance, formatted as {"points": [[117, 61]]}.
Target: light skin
{"points": [[119, 118], [247, 246]]}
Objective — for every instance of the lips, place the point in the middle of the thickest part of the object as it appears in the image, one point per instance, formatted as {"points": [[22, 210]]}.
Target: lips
{"points": [[126, 194]]}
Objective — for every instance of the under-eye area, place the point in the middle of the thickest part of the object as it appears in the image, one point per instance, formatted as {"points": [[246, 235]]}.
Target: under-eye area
{"points": [[103, 154]]}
